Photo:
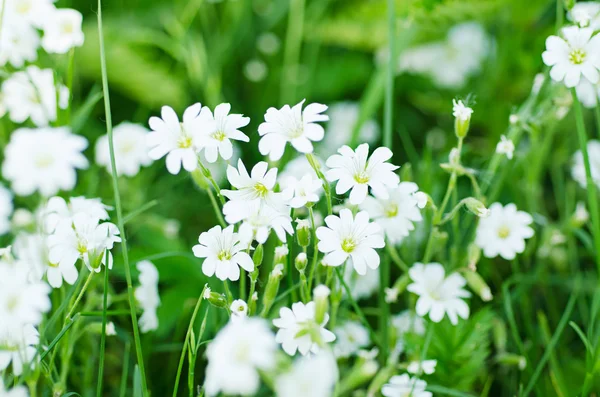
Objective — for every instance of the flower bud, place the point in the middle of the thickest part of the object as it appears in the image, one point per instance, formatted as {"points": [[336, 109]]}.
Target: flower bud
{"points": [[512, 359], [239, 309], [476, 207], [391, 294], [581, 216], [321, 295], [477, 284], [272, 288], [462, 118], [257, 257], [473, 256], [199, 179], [216, 299], [499, 334], [303, 232], [281, 254], [301, 262]]}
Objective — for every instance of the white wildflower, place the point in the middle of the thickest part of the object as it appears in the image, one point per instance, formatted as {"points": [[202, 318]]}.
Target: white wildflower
{"points": [[62, 31], [147, 295], [314, 376], [131, 152], [405, 386], [578, 168], [351, 337], [219, 129], [506, 147]]}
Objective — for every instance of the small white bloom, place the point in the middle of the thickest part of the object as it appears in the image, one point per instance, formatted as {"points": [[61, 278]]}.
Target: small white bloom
{"points": [[223, 253], [396, 214], [357, 171], [268, 43], [44, 160], [22, 218], [438, 294], [299, 331], [306, 191], [131, 152], [587, 93], [351, 337], [110, 329], [57, 209], [513, 119], [581, 214], [585, 14], [427, 367], [239, 351], [504, 231], [405, 386], [180, 142], [207, 292], [578, 168], [575, 55], [291, 124], [343, 118], [391, 295], [406, 322], [347, 236], [362, 286], [258, 184], [505, 146], [18, 391], [313, 376], [239, 309], [219, 129], [32, 94], [281, 252], [147, 295], [18, 346], [62, 31], [31, 250], [18, 44], [321, 292], [6, 209], [295, 170], [460, 111], [258, 220], [27, 12]]}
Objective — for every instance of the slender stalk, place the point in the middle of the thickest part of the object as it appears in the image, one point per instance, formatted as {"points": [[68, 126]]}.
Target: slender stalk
{"points": [[591, 187], [136, 332], [389, 92], [291, 56], [206, 172], [103, 335], [384, 318], [216, 208], [597, 116], [315, 259], [227, 292], [79, 296], [62, 332], [123, 388], [396, 257]]}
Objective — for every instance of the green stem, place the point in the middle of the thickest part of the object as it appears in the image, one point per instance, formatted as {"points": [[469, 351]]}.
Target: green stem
{"points": [[597, 114], [591, 187], [103, 336], [227, 293], [123, 388], [313, 265], [80, 295], [206, 172], [396, 257], [291, 56], [389, 92], [117, 196]]}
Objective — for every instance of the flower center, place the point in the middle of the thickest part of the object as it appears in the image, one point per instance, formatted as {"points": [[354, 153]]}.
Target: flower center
{"points": [[348, 245], [82, 247], [67, 28], [361, 177], [184, 142], [261, 189], [503, 231], [44, 160], [12, 303], [224, 255], [391, 210], [218, 135], [577, 56], [24, 7], [127, 147]]}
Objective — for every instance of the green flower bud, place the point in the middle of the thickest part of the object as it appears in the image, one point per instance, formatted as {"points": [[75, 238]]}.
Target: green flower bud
{"points": [[512, 359], [199, 179], [303, 232], [478, 284], [473, 256], [476, 207], [281, 254], [462, 118], [272, 288], [500, 335], [321, 297], [257, 258], [301, 262], [214, 298]]}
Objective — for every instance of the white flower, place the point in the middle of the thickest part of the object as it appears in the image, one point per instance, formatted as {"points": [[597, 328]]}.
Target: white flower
{"points": [[62, 31], [578, 168], [44, 160], [147, 295], [218, 130], [6, 209], [21, 301], [587, 93], [18, 43], [505, 146], [258, 220], [362, 286], [581, 214], [306, 191], [391, 294], [81, 237], [347, 236], [585, 14], [504, 231], [110, 329], [239, 351], [18, 391], [460, 111], [396, 214], [57, 209], [299, 331], [405, 386], [19, 347], [180, 142], [406, 322], [32, 94], [438, 294], [295, 170], [294, 125], [28, 12], [343, 118], [31, 250], [357, 171], [427, 367], [351, 337], [239, 309], [131, 152], [313, 376], [578, 55], [223, 253]]}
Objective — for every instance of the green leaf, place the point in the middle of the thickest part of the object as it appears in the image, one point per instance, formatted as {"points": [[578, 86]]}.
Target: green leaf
{"points": [[137, 383]]}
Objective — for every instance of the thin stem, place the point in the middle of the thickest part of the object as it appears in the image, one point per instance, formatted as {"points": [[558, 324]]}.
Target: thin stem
{"points": [[227, 292], [124, 374], [597, 114], [103, 336], [384, 282], [396, 257], [591, 187], [80, 295], [389, 92], [291, 56], [315, 259], [117, 196], [206, 172], [216, 208]]}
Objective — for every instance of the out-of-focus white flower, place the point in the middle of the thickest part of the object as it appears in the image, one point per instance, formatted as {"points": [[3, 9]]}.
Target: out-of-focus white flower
{"points": [[6, 209], [504, 231], [438, 294], [22, 301], [587, 93], [343, 117], [219, 129], [351, 337], [405, 386], [268, 43], [18, 391], [291, 124], [62, 31], [295, 170], [32, 94], [306, 191], [57, 209], [27, 12], [18, 43], [31, 250], [357, 171], [110, 329], [18, 346], [581, 214], [578, 168], [362, 286], [585, 14], [239, 309], [258, 220], [44, 160], [408, 322], [223, 253], [180, 142], [575, 55], [147, 295], [391, 294], [239, 351], [81, 237], [396, 214], [131, 152], [347, 236], [299, 331], [427, 367], [460, 111], [313, 376], [506, 147]]}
